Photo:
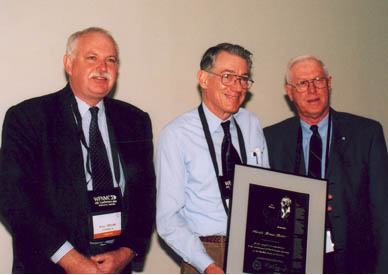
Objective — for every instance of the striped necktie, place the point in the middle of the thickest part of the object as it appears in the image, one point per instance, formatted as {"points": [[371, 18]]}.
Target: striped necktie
{"points": [[315, 154]]}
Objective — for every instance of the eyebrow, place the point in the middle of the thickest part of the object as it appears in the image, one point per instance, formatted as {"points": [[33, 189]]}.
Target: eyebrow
{"points": [[303, 79], [233, 72], [95, 53]]}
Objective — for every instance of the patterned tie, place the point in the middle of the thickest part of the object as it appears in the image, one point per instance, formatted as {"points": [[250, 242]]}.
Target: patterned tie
{"points": [[101, 173], [229, 157], [315, 155]]}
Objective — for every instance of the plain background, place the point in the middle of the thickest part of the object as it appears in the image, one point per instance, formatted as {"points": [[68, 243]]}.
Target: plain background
{"points": [[161, 43]]}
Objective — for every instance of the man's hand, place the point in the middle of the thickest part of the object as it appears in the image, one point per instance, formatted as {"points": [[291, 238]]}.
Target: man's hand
{"points": [[214, 269], [113, 261], [76, 263]]}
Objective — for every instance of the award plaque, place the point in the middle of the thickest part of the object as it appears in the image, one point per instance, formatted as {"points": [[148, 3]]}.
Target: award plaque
{"points": [[277, 223]]}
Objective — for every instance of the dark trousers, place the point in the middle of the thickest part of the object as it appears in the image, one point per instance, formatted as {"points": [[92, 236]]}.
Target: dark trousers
{"points": [[334, 263]]}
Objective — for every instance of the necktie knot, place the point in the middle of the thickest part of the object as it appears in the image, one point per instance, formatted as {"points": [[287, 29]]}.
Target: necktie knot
{"points": [[225, 126], [314, 129], [94, 111]]}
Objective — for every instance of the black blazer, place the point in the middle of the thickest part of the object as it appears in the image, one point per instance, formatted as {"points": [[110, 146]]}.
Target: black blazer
{"points": [[358, 180], [42, 179]]}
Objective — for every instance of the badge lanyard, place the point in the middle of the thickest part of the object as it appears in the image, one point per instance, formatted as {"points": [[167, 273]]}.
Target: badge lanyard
{"points": [[80, 132], [105, 206], [212, 152]]}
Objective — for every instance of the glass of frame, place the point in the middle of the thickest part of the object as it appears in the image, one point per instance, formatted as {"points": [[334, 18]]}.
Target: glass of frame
{"points": [[277, 222]]}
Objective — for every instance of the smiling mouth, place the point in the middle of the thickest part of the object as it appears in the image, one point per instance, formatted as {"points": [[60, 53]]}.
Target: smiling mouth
{"points": [[315, 100], [99, 78], [235, 97]]}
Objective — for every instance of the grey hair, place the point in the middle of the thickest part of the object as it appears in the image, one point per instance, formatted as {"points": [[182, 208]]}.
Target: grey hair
{"points": [[301, 58], [209, 57], [72, 41]]}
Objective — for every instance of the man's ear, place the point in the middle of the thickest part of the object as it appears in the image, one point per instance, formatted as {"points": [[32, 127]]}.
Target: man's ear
{"points": [[329, 84], [288, 89], [202, 77], [68, 63]]}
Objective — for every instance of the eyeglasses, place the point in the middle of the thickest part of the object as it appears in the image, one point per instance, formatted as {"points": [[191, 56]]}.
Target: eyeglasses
{"points": [[303, 86], [229, 79]]}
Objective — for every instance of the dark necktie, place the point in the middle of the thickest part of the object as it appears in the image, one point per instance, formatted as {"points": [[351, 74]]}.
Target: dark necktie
{"points": [[101, 173], [229, 157], [315, 155]]}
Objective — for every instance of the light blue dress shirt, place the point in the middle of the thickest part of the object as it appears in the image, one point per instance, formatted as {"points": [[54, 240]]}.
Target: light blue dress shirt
{"points": [[307, 133], [102, 125], [189, 203]]}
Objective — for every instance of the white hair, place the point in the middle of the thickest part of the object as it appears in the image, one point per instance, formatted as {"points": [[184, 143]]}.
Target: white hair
{"points": [[72, 42], [301, 58]]}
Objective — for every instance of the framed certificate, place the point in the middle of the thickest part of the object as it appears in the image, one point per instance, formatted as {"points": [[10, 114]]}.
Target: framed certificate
{"points": [[277, 223]]}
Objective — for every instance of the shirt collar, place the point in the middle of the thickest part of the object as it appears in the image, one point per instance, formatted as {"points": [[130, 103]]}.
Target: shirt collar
{"points": [[83, 107], [321, 125], [214, 121]]}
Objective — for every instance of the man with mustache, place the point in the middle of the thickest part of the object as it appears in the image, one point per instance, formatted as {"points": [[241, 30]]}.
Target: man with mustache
{"points": [[195, 160], [76, 171], [351, 154]]}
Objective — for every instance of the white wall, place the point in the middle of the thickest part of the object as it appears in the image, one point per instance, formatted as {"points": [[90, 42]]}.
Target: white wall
{"points": [[161, 44]]}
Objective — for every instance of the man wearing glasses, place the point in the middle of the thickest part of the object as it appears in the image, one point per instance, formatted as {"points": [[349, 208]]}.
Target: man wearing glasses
{"points": [[195, 159], [347, 150]]}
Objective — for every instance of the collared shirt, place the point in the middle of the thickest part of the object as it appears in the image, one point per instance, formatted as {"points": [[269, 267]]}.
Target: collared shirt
{"points": [[307, 133], [189, 203], [103, 127]]}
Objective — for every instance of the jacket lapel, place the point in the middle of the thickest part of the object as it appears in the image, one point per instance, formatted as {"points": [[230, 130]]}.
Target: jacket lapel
{"points": [[294, 148], [69, 144], [339, 141], [113, 123]]}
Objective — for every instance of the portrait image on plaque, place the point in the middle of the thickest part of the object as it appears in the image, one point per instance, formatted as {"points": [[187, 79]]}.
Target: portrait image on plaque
{"points": [[276, 223]]}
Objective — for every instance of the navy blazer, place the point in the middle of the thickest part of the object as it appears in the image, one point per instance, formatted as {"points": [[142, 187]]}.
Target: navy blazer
{"points": [[357, 174], [42, 178]]}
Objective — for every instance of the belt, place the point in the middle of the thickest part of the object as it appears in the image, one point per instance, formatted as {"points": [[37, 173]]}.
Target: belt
{"points": [[213, 239]]}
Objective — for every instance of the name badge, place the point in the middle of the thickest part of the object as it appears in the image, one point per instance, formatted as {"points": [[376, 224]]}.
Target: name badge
{"points": [[106, 225], [105, 216]]}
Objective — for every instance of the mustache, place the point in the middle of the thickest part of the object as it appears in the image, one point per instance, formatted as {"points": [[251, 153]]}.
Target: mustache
{"points": [[104, 75]]}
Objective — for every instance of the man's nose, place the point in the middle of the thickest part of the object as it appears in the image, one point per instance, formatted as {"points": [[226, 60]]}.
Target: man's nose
{"points": [[237, 86], [312, 88], [102, 66]]}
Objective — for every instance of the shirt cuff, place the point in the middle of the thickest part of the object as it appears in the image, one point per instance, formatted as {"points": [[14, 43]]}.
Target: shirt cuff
{"points": [[202, 262], [62, 251]]}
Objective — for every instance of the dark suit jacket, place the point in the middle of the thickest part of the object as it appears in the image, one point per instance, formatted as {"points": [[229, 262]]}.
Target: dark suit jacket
{"points": [[358, 180], [42, 179]]}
